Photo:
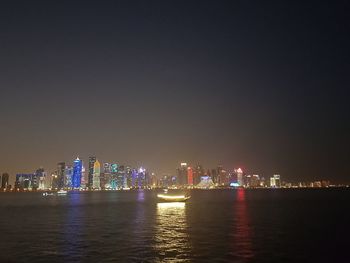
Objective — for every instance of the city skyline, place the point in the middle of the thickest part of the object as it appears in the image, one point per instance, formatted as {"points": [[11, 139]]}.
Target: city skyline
{"points": [[258, 86], [106, 175]]}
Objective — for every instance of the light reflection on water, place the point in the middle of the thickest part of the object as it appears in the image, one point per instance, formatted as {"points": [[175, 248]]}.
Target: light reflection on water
{"points": [[242, 236], [171, 235], [73, 229]]}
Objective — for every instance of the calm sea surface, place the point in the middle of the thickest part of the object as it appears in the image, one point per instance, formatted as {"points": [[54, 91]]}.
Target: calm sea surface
{"points": [[213, 226]]}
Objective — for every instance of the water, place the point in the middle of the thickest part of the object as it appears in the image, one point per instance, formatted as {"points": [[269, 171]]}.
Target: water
{"points": [[213, 226]]}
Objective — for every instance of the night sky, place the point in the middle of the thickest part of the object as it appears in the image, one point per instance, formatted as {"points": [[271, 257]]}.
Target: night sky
{"points": [[262, 86]]}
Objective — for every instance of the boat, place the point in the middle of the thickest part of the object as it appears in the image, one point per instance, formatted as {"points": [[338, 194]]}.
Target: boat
{"points": [[47, 194], [61, 192], [173, 198]]}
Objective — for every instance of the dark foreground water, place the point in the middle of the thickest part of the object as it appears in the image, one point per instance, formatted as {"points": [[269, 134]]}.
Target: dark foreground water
{"points": [[213, 226]]}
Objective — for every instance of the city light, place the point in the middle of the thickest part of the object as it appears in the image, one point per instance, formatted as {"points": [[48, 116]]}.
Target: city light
{"points": [[112, 177]]}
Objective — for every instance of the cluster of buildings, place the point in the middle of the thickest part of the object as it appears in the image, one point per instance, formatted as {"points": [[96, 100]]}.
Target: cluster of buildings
{"points": [[113, 176], [218, 177], [198, 177], [97, 176]]}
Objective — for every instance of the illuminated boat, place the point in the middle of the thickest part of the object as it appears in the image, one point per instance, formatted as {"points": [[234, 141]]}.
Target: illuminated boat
{"points": [[47, 194], [61, 192], [173, 198]]}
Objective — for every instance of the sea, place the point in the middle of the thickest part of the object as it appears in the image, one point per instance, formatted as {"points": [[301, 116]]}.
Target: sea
{"points": [[228, 225]]}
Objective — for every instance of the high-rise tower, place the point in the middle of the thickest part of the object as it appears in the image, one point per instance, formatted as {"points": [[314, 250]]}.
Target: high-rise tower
{"points": [[189, 176], [5, 180], [182, 174], [60, 174], [77, 171], [96, 175], [92, 160]]}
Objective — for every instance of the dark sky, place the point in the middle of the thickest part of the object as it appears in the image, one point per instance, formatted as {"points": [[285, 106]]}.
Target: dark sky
{"points": [[259, 85]]}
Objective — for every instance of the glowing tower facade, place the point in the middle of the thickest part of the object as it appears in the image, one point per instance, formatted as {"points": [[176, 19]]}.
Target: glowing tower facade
{"points": [[96, 175], [77, 172], [189, 176], [239, 173]]}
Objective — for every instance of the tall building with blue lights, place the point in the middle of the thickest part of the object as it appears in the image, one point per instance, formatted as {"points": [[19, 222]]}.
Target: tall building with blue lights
{"points": [[77, 171], [68, 176]]}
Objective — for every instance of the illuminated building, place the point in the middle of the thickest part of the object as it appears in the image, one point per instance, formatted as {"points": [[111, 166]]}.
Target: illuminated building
{"points": [[219, 179], [134, 178], [24, 181], [165, 181], [120, 176], [92, 160], [114, 175], [272, 182], [239, 174], [68, 176], [197, 174], [275, 181], [247, 180], [182, 174], [96, 175], [77, 173], [251, 180], [60, 174], [189, 176], [317, 184], [223, 178], [142, 177], [214, 176], [153, 180], [5, 180], [255, 180], [206, 182], [41, 177], [128, 178], [84, 178], [262, 182], [35, 181], [325, 183], [105, 179]]}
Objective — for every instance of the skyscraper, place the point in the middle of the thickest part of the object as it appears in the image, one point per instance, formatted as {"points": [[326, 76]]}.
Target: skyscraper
{"points": [[134, 178], [96, 176], [41, 177], [272, 182], [92, 160], [68, 176], [142, 177], [275, 181], [5, 180], [128, 173], [60, 174], [214, 176], [189, 176], [84, 178], [239, 173], [222, 176], [114, 175], [121, 176], [35, 182], [77, 172], [182, 174], [197, 175], [106, 179]]}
